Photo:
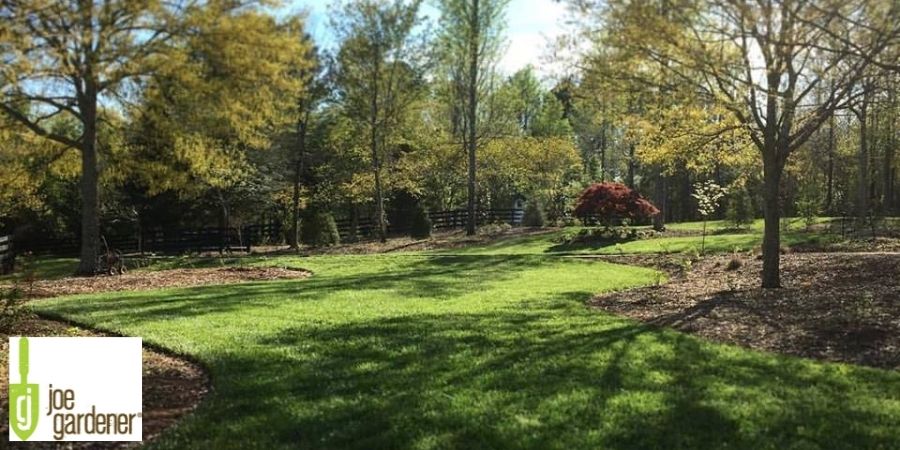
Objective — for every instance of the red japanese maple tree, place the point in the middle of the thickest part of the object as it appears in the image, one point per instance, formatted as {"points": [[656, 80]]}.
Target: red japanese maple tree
{"points": [[612, 201]]}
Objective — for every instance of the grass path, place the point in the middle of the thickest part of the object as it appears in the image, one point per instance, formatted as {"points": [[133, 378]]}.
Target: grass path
{"points": [[428, 352]]}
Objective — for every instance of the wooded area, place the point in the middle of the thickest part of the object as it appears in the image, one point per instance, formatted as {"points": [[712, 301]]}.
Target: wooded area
{"points": [[122, 116]]}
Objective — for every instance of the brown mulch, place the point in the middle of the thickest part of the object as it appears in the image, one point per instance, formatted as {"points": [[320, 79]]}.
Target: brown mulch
{"points": [[834, 306], [172, 388], [143, 280]]}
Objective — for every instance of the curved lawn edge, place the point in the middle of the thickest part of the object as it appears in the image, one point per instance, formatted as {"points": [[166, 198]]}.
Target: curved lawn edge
{"points": [[847, 318], [383, 352], [178, 383]]}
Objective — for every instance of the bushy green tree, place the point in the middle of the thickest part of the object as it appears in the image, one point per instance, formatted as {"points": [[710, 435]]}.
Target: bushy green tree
{"points": [[380, 71], [420, 224], [534, 215], [318, 229]]}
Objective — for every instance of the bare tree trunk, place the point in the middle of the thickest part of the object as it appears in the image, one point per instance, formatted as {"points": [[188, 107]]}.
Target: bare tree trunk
{"points": [[226, 222], [862, 188], [90, 198], [354, 222], [888, 174], [771, 248], [603, 152], [294, 234], [829, 176], [376, 163], [379, 203], [631, 166], [659, 194], [294, 238], [472, 114]]}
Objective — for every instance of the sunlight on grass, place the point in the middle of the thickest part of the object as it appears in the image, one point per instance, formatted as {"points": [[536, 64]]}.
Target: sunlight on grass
{"points": [[430, 352]]}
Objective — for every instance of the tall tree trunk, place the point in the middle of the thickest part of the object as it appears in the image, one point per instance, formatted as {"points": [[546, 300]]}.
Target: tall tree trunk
{"points": [[353, 234], [226, 222], [294, 238], [659, 194], [376, 163], [90, 198], [771, 248], [472, 113], [888, 164], [294, 234], [603, 152], [829, 176], [862, 155], [631, 166]]}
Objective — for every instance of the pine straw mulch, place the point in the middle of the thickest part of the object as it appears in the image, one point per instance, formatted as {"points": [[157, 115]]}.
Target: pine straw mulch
{"points": [[144, 280], [834, 306], [172, 388]]}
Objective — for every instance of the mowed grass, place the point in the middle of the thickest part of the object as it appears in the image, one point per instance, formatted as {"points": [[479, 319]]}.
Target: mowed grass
{"points": [[722, 237], [479, 352]]}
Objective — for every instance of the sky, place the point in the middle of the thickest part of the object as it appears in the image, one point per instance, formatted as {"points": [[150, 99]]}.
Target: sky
{"points": [[531, 24]]}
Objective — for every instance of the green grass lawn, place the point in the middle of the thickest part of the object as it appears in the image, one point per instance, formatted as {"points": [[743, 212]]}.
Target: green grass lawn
{"points": [[722, 238], [479, 352], [51, 267]]}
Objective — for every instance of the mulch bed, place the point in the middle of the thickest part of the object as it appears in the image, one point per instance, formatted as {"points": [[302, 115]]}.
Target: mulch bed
{"points": [[834, 306], [172, 388], [144, 280]]}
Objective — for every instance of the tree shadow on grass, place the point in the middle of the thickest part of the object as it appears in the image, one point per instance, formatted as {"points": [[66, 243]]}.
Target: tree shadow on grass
{"points": [[538, 373], [437, 277], [527, 380]]}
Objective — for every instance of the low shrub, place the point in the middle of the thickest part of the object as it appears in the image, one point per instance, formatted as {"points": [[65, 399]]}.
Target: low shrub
{"points": [[611, 201], [534, 215], [734, 264], [739, 211], [318, 229], [420, 223], [605, 235], [493, 229], [12, 309]]}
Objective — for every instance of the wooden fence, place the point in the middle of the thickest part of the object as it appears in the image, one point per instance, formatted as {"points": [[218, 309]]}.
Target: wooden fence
{"points": [[216, 239], [7, 255], [176, 240], [440, 220]]}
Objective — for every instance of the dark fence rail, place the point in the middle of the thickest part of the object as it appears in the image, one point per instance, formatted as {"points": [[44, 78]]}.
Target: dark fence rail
{"points": [[180, 240], [440, 220], [7, 255], [216, 239]]}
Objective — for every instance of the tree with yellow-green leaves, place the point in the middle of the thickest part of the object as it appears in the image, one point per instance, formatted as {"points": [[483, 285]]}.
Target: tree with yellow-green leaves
{"points": [[208, 79], [471, 41], [21, 153], [229, 89], [66, 58], [762, 62], [380, 73], [63, 58]]}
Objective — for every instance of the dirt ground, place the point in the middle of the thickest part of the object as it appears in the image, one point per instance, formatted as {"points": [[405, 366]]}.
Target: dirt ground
{"points": [[143, 280], [172, 388], [834, 306]]}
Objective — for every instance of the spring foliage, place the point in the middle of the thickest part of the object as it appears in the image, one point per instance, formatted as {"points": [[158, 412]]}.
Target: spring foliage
{"points": [[613, 201]]}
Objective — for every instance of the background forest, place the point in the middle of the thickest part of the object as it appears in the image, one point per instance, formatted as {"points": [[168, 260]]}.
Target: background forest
{"points": [[123, 117]]}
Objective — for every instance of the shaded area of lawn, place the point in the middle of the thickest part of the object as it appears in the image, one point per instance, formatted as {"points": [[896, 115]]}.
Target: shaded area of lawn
{"points": [[479, 352]]}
